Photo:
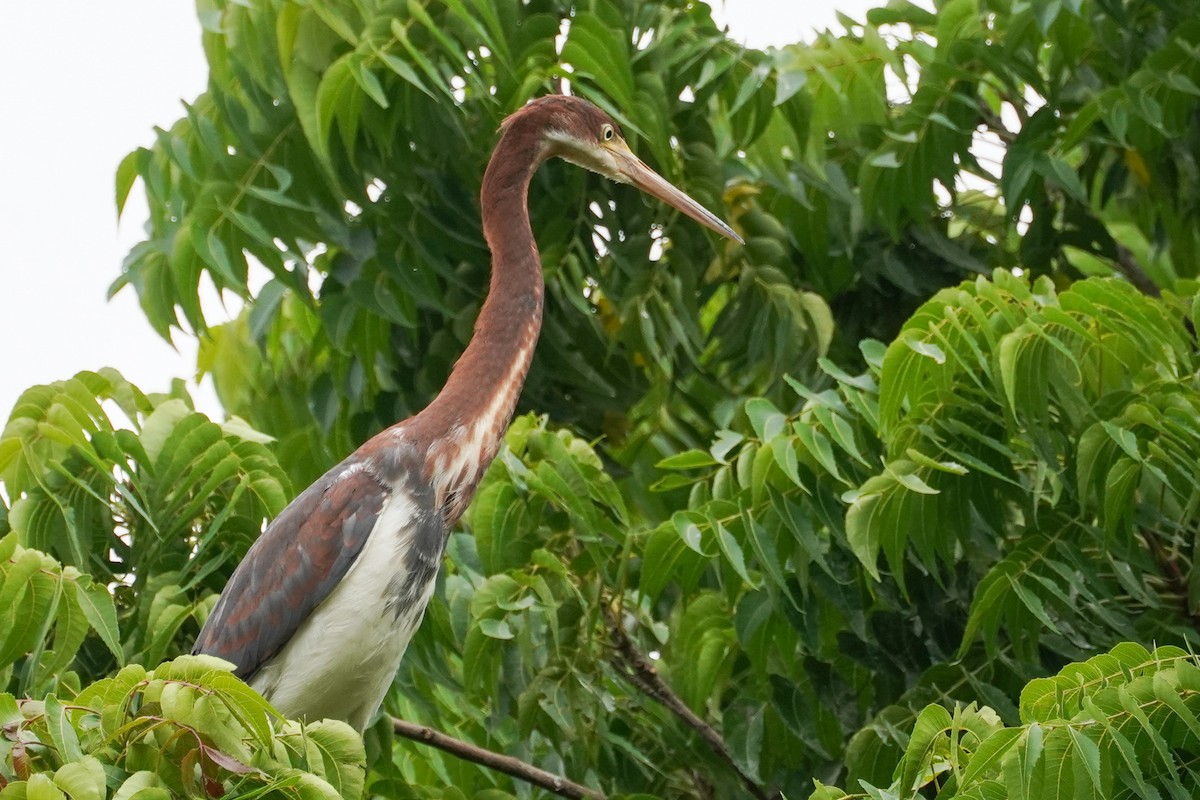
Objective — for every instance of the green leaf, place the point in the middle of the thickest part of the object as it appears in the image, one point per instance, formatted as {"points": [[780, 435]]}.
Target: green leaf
{"points": [[1089, 754], [82, 779], [64, 737], [862, 531], [767, 421], [733, 553], [33, 612], [40, 787], [1047, 12], [595, 49], [1032, 602], [1127, 440], [927, 349], [913, 482], [335, 102], [252, 711], [406, 72], [496, 628], [1061, 174], [96, 603], [369, 83], [9, 711], [689, 532], [690, 459], [818, 446], [785, 456], [985, 762], [931, 725], [342, 760], [138, 783], [334, 15], [127, 173], [160, 424]]}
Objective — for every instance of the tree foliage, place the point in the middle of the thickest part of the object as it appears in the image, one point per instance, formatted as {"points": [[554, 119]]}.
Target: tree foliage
{"points": [[187, 728], [829, 506], [158, 505], [1121, 724]]}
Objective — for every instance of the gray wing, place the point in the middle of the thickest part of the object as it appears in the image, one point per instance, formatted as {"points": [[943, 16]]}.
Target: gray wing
{"points": [[293, 567]]}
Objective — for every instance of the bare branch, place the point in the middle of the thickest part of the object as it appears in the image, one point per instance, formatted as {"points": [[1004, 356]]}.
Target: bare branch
{"points": [[643, 674], [1127, 265], [501, 763], [1174, 576]]}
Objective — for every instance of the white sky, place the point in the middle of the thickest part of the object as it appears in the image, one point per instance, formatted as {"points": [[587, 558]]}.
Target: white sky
{"points": [[83, 83]]}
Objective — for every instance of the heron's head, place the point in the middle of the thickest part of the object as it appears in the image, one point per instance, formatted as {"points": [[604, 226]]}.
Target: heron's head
{"points": [[577, 131]]}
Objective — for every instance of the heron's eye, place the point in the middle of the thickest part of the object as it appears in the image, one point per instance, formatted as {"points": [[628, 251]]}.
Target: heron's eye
{"points": [[608, 133]]}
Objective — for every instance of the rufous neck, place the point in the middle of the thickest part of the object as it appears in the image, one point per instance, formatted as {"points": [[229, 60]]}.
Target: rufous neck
{"points": [[465, 423]]}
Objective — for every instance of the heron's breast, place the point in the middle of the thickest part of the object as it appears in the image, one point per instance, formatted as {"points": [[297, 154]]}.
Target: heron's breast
{"points": [[461, 456], [357, 636]]}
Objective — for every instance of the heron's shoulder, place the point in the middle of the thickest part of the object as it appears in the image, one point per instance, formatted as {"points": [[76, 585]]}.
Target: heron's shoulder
{"points": [[391, 459], [388, 470], [397, 461]]}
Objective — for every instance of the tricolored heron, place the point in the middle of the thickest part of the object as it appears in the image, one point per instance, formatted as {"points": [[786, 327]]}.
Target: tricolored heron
{"points": [[318, 614]]}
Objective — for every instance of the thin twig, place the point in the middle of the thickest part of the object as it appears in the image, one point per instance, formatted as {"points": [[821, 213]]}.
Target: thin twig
{"points": [[513, 767], [643, 674], [1176, 580], [1127, 265]]}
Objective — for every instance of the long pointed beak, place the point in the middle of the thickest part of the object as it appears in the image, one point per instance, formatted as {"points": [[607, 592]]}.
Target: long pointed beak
{"points": [[633, 170]]}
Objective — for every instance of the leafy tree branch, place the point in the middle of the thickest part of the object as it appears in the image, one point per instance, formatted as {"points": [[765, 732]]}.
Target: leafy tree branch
{"points": [[501, 763], [866, 480], [640, 671]]}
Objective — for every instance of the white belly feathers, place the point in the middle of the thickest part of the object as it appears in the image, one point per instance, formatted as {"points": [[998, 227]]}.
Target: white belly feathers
{"points": [[342, 659]]}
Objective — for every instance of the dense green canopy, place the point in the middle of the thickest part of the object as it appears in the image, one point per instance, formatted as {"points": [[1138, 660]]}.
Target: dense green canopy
{"points": [[884, 498]]}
